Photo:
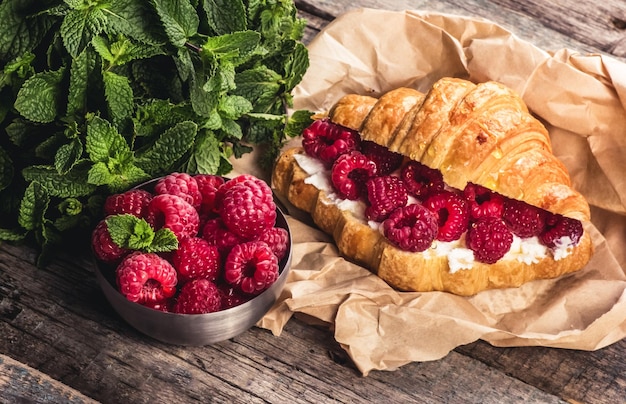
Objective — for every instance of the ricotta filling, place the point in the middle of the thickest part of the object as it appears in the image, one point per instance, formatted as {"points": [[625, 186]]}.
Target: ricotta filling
{"points": [[525, 250]]}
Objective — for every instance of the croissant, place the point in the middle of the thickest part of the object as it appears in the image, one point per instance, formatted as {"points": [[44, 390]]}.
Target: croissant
{"points": [[477, 136]]}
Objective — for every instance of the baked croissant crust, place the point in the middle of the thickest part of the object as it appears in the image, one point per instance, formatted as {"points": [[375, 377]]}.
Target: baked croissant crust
{"points": [[472, 133]]}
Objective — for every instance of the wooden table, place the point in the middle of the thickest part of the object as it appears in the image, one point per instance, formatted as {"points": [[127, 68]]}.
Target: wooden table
{"points": [[61, 342]]}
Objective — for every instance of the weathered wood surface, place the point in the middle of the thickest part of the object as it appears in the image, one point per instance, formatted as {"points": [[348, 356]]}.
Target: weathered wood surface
{"points": [[61, 342]]}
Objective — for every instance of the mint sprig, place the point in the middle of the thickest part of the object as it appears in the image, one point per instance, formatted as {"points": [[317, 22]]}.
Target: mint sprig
{"points": [[133, 233], [97, 96]]}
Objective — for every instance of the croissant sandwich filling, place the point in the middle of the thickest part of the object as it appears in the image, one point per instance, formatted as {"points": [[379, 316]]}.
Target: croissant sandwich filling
{"points": [[415, 210], [455, 190]]}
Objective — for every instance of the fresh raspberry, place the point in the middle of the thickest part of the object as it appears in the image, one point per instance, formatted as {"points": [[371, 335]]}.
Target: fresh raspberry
{"points": [[489, 239], [483, 202], [248, 209], [164, 306], [146, 278], [231, 297], [385, 194], [452, 213], [208, 185], [180, 184], [523, 220], [216, 233], [327, 141], [104, 248], [350, 173], [421, 180], [411, 228], [386, 160], [251, 267], [134, 202], [277, 239], [240, 179], [198, 296], [174, 213], [196, 258], [561, 230]]}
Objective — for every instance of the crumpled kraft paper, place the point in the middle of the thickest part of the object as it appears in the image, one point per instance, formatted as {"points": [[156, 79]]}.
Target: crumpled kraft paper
{"points": [[580, 98]]}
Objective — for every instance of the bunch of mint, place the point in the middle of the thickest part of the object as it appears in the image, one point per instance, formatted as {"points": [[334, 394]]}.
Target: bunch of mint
{"points": [[97, 96]]}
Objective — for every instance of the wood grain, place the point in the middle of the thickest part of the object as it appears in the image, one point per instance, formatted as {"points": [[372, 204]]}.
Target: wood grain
{"points": [[60, 341]]}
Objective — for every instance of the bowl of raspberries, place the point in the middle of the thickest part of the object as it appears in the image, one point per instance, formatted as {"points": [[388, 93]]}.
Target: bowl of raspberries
{"points": [[192, 259]]}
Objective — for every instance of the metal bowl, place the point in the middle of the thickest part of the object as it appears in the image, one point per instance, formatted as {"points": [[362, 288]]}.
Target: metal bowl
{"points": [[196, 329]]}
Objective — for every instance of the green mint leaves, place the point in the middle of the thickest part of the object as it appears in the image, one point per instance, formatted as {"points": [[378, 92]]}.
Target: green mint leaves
{"points": [[130, 232], [97, 96]]}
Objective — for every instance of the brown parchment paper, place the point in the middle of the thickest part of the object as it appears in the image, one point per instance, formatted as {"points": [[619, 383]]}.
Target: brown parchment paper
{"points": [[581, 100]]}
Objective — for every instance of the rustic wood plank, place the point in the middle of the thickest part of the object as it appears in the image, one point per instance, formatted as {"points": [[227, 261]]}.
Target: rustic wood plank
{"points": [[57, 321], [22, 384], [551, 25]]}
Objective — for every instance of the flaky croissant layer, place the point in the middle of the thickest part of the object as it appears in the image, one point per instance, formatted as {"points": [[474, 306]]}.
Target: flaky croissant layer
{"points": [[459, 130]]}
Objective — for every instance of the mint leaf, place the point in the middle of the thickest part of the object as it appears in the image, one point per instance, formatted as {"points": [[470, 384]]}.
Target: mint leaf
{"points": [[38, 99], [80, 25], [260, 85], [207, 155], [237, 48], [225, 16], [164, 240], [179, 18], [12, 235], [71, 184], [104, 142], [170, 146], [297, 122], [131, 232], [23, 27], [81, 70], [234, 106], [297, 64], [67, 156], [119, 96], [33, 207], [128, 231]]}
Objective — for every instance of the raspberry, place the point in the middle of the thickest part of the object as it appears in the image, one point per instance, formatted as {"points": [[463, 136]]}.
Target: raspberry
{"points": [[231, 297], [523, 220], [174, 213], [277, 239], [248, 209], [452, 213], [198, 296], [164, 306], [349, 174], [243, 178], [208, 185], [195, 258], [180, 184], [483, 202], [146, 278], [561, 230], [251, 267], [104, 248], [134, 202], [421, 180], [327, 141], [411, 228], [385, 194], [489, 239], [216, 233], [386, 161]]}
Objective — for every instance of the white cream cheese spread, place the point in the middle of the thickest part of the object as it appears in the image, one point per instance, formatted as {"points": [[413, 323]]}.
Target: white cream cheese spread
{"points": [[527, 250]]}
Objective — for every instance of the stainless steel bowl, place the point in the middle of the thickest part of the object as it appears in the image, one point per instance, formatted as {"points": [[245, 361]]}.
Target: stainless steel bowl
{"points": [[196, 329]]}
